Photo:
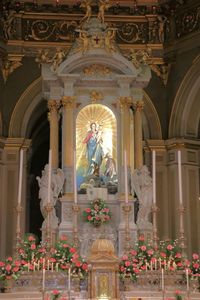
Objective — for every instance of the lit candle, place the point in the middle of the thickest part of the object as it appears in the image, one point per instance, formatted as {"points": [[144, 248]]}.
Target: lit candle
{"points": [[43, 279], [126, 177], [162, 280], [75, 184], [49, 177], [180, 178], [154, 175], [187, 279], [20, 176]]}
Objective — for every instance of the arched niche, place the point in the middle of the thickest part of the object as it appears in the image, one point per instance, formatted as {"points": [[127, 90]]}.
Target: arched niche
{"points": [[96, 140], [185, 115], [27, 110]]}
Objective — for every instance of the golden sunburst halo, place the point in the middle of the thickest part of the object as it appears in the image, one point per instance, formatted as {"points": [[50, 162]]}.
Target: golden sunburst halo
{"points": [[102, 116]]}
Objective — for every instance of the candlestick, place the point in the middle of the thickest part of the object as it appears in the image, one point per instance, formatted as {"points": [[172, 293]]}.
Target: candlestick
{"points": [[154, 175], [43, 279], [69, 279], [20, 176], [180, 178], [187, 280], [126, 177], [49, 177], [75, 183], [162, 280]]}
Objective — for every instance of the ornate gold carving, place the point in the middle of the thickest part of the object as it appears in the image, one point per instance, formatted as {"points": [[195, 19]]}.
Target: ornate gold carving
{"points": [[161, 71], [10, 63], [68, 101], [138, 105], [96, 96], [53, 105], [109, 40], [43, 57], [58, 58], [95, 69], [125, 102], [140, 57], [84, 41]]}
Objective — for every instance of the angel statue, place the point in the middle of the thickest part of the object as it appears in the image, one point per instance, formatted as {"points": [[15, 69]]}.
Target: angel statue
{"points": [[57, 182], [103, 5], [86, 4], [141, 185]]}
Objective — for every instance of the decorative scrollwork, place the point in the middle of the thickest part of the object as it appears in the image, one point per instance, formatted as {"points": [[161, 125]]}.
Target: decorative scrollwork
{"points": [[49, 30], [132, 32], [188, 22]]}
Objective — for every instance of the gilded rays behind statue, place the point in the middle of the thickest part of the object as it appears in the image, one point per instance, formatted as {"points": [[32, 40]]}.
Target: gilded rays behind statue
{"points": [[96, 146]]}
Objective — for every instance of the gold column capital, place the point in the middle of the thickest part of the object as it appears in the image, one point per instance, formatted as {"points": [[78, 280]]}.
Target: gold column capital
{"points": [[68, 101], [53, 105], [125, 101], [138, 105]]}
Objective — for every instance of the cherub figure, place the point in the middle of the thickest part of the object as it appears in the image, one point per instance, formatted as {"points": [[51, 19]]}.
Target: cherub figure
{"points": [[42, 57], [161, 28], [84, 39], [86, 4], [8, 66], [58, 58], [103, 5], [109, 40]]}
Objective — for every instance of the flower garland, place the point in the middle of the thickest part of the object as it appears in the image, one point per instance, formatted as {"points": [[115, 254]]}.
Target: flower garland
{"points": [[97, 213]]}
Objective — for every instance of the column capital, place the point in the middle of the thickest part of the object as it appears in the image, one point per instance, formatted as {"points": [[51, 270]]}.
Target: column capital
{"points": [[138, 105], [125, 101], [68, 101], [53, 105]]}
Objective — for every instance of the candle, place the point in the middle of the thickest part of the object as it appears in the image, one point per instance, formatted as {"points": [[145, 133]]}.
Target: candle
{"points": [[43, 279], [69, 279], [20, 176], [180, 178], [162, 280], [187, 280], [75, 184], [56, 267], [48, 264], [52, 267], [126, 177], [49, 177], [154, 175]]}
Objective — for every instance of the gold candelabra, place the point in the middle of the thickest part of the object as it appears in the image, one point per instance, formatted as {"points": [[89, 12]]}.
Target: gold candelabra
{"points": [[127, 209], [155, 210], [181, 210], [48, 209], [76, 209], [18, 227]]}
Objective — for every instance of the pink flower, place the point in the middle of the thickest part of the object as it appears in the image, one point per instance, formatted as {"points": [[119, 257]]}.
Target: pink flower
{"points": [[88, 210], [141, 238], [65, 245], [195, 265], [9, 258], [31, 238], [55, 292], [17, 263], [72, 250], [169, 247], [33, 246], [63, 238], [143, 248], [195, 256], [15, 269], [124, 257], [84, 266], [8, 267], [136, 270], [133, 252], [150, 252], [89, 218], [127, 263], [163, 254], [178, 255], [122, 269], [2, 264]]}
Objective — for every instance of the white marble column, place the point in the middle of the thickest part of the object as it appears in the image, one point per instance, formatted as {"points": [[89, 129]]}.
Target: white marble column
{"points": [[53, 117]]}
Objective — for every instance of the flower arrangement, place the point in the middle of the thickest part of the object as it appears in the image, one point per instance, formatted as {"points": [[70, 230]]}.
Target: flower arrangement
{"points": [[170, 255], [56, 294], [9, 269], [97, 213], [140, 258], [66, 257], [28, 248]]}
